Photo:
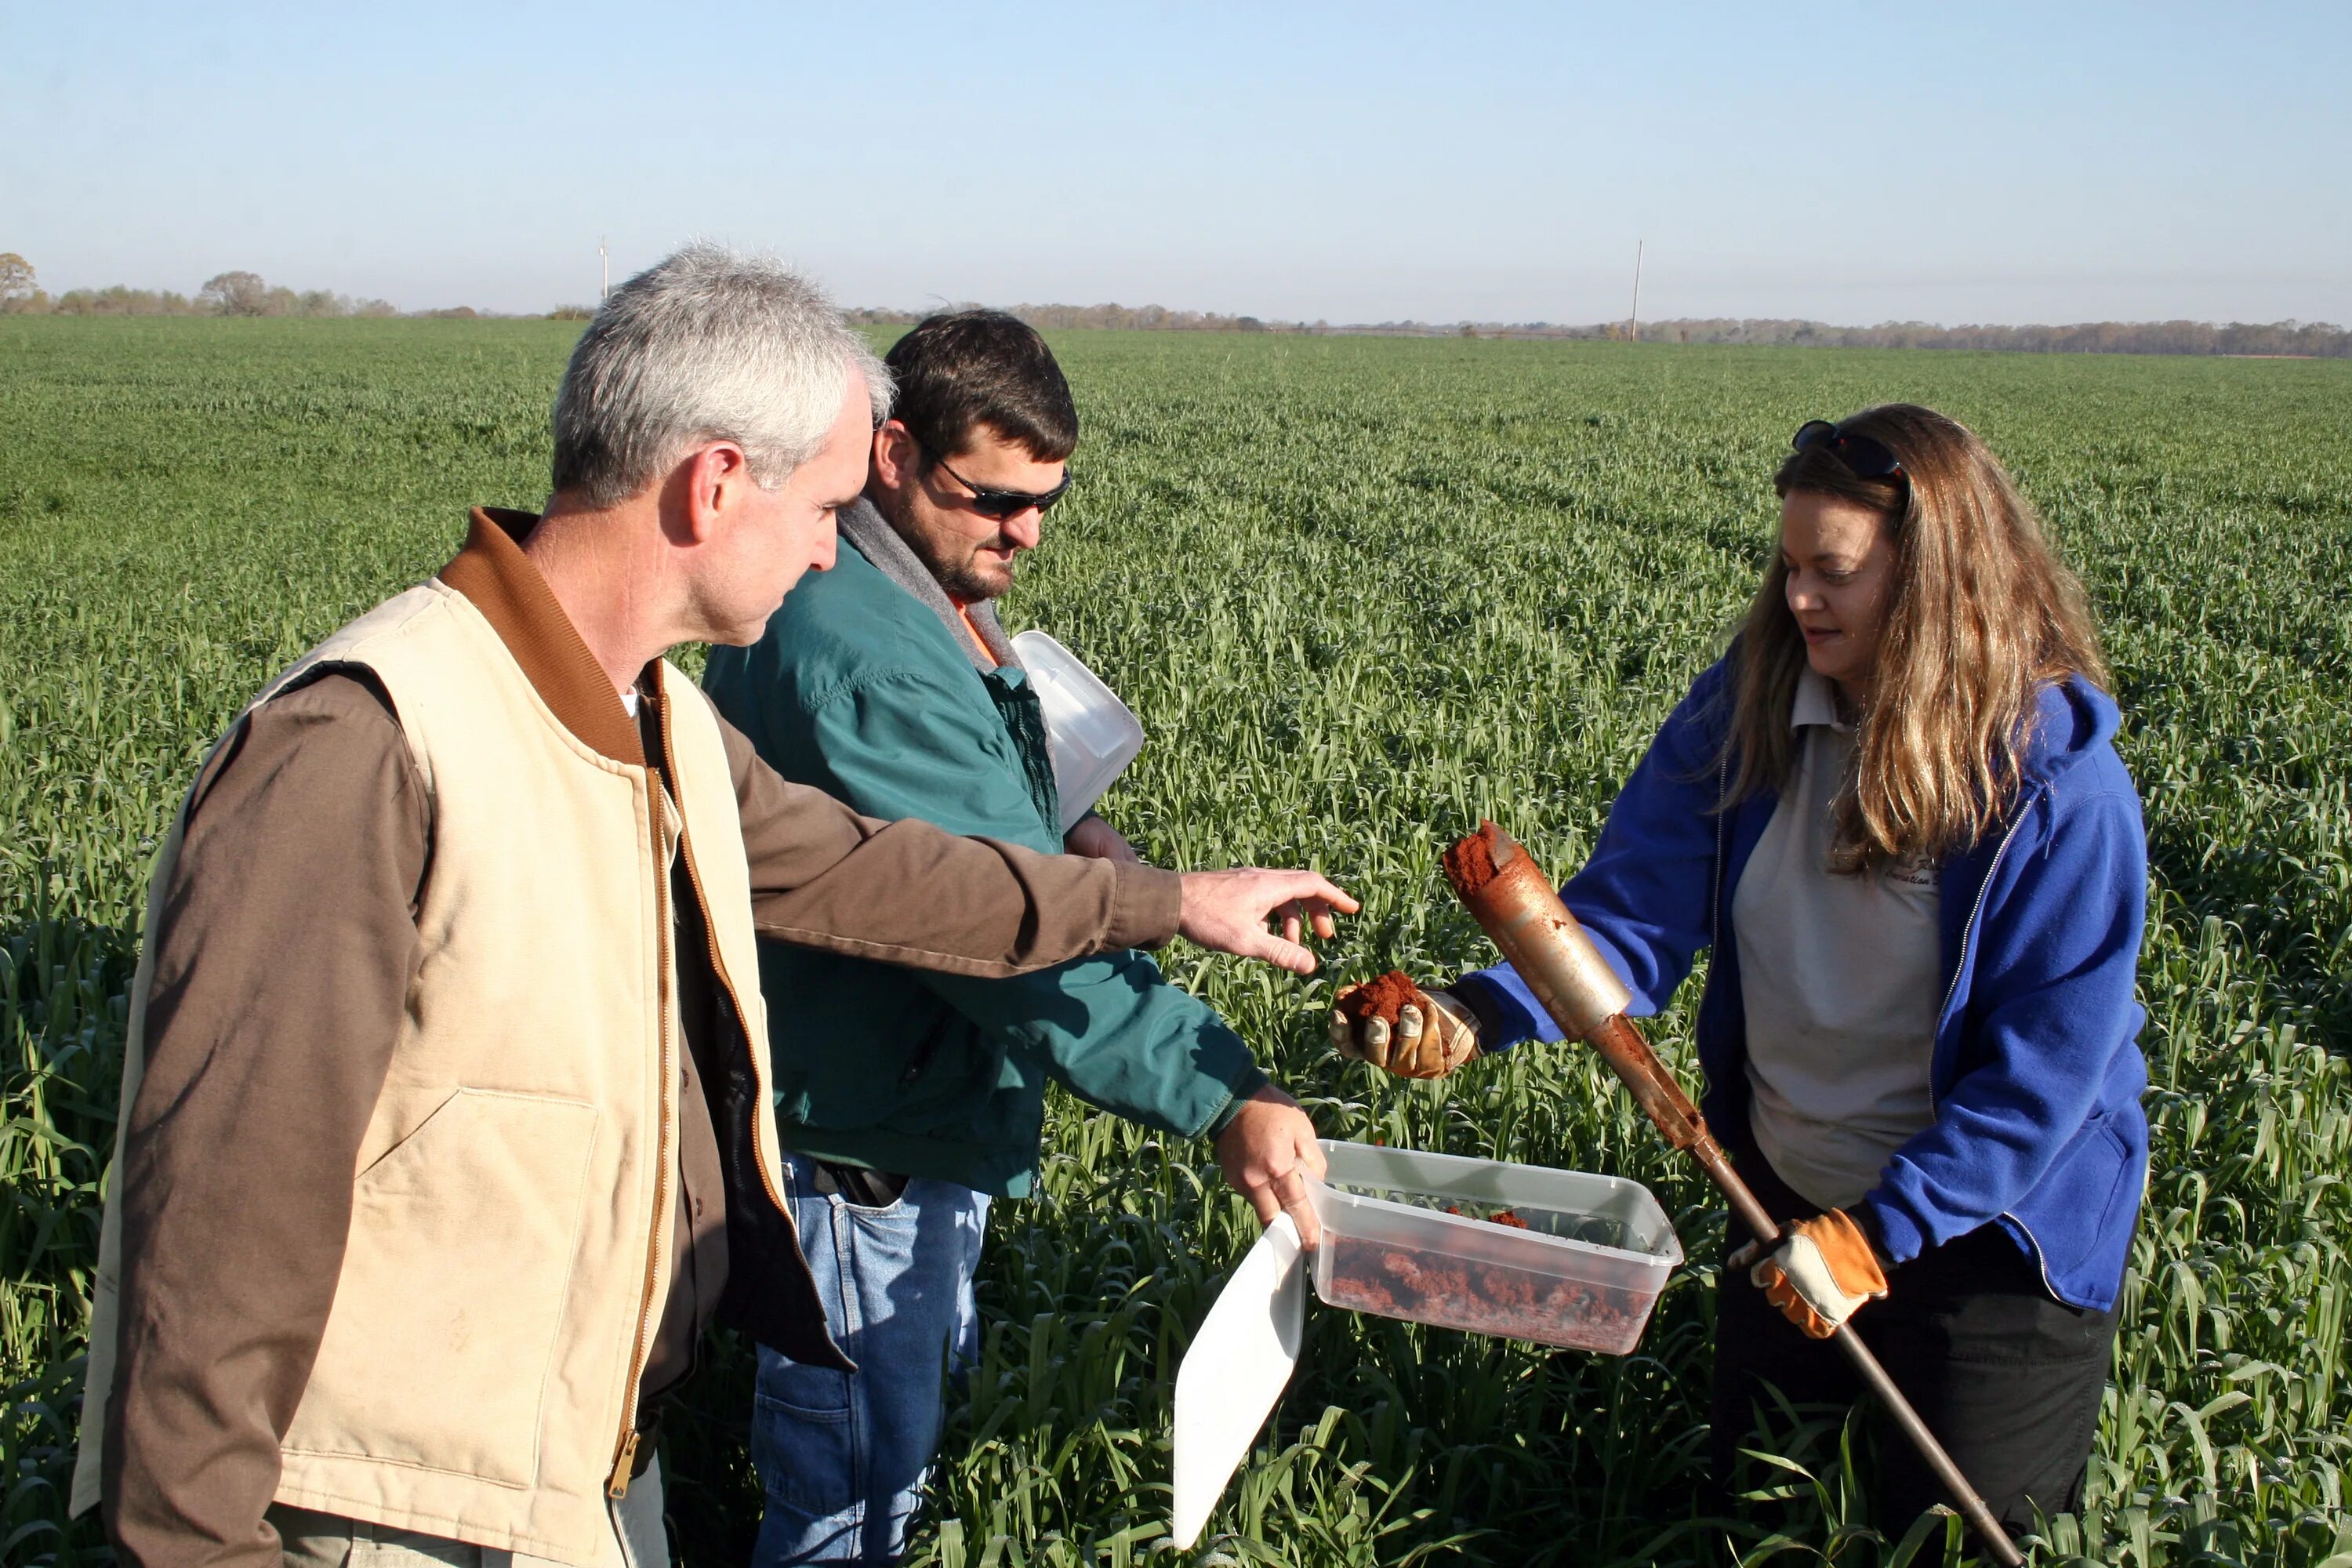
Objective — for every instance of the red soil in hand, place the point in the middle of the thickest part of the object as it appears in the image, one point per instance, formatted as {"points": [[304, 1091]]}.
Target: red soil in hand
{"points": [[1470, 864], [1382, 999]]}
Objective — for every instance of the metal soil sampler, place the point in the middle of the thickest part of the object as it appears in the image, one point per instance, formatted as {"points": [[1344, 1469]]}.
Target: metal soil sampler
{"points": [[1514, 902]]}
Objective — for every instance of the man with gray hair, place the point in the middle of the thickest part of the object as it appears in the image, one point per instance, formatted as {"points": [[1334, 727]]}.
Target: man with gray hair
{"points": [[442, 1137]]}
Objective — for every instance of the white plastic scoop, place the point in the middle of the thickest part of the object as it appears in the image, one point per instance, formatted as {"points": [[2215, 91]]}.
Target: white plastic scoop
{"points": [[1090, 732], [1237, 1367]]}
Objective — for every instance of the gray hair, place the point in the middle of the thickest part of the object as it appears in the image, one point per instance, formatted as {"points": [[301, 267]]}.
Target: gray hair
{"points": [[707, 345]]}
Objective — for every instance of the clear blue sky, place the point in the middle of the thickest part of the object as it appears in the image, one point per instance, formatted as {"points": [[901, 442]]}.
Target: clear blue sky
{"points": [[1853, 164]]}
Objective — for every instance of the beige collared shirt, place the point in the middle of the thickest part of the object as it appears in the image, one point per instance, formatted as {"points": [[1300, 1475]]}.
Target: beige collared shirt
{"points": [[1840, 978]]}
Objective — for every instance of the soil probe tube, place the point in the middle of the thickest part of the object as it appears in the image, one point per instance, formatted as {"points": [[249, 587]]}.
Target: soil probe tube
{"points": [[1514, 903]]}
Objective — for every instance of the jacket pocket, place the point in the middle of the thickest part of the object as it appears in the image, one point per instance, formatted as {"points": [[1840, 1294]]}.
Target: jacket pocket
{"points": [[2080, 1214], [453, 1291]]}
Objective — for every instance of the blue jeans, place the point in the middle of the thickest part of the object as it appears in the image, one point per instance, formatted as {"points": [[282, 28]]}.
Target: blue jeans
{"points": [[841, 1456]]}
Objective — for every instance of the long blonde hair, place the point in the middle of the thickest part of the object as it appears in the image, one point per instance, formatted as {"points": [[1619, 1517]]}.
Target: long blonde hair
{"points": [[1980, 615]]}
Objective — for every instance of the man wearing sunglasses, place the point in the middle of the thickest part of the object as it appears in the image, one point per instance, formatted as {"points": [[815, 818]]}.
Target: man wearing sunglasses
{"points": [[907, 1103]]}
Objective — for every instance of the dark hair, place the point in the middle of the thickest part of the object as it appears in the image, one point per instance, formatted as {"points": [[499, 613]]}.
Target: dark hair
{"points": [[970, 368]]}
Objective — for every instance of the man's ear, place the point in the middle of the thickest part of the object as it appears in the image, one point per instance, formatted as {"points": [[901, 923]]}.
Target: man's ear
{"points": [[897, 456], [718, 478]]}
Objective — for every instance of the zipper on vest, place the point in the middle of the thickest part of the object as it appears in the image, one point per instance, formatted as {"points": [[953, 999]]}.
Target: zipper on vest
{"points": [[763, 1157], [623, 1466], [756, 1049], [625, 1451]]}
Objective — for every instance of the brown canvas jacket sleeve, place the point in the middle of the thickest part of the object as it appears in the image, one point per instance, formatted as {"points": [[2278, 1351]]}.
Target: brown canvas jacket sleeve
{"points": [[905, 893], [284, 947]]}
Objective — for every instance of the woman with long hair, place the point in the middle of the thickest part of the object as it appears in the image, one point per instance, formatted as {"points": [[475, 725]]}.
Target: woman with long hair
{"points": [[1893, 815]]}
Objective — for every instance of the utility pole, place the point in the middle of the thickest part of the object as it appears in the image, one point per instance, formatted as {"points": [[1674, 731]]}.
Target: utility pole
{"points": [[605, 273], [1636, 323]]}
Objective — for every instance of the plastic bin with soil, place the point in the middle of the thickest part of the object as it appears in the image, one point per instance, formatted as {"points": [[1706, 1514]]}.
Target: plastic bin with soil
{"points": [[1406, 1236]]}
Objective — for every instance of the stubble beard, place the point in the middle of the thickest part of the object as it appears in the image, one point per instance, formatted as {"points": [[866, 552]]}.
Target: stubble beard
{"points": [[975, 582], [952, 562]]}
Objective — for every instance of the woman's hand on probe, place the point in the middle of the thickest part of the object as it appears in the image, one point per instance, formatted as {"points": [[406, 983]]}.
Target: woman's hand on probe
{"points": [[1823, 1272], [1433, 1034]]}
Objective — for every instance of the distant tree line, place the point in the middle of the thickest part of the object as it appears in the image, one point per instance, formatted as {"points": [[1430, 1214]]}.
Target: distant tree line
{"points": [[226, 294], [1127, 318], [2316, 338], [247, 294]]}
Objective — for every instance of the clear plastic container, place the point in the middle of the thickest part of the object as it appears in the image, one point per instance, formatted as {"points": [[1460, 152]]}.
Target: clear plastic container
{"points": [[1575, 1259], [1089, 732]]}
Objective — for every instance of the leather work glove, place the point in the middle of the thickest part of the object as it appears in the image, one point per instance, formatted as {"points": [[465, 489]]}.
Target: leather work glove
{"points": [[1820, 1274], [1434, 1033]]}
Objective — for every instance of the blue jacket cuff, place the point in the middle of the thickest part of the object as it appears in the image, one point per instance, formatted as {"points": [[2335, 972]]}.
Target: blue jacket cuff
{"points": [[1897, 1237], [1507, 1012]]}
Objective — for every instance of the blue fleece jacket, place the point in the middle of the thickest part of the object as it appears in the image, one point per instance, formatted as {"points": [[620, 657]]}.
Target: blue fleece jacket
{"points": [[2036, 1073]]}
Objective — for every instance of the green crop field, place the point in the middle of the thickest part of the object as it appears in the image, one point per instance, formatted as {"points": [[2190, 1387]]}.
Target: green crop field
{"points": [[1361, 592]]}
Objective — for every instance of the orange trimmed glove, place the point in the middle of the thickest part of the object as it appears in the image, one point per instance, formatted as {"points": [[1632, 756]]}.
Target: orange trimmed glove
{"points": [[1821, 1274]]}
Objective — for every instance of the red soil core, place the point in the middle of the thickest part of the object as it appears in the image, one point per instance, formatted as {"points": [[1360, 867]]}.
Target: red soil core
{"points": [[1483, 1298], [1470, 864], [1382, 999]]}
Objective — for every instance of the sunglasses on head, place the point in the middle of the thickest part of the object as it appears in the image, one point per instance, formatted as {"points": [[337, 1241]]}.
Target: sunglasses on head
{"points": [[1001, 504], [1864, 458]]}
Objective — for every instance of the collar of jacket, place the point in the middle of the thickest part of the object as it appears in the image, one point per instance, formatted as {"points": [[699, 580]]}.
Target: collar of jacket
{"points": [[497, 579], [865, 526]]}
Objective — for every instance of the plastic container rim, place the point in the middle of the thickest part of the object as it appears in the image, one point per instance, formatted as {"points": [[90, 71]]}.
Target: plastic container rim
{"points": [[1320, 1191]]}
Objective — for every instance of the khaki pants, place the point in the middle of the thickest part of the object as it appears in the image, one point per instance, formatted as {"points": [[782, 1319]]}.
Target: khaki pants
{"points": [[312, 1540]]}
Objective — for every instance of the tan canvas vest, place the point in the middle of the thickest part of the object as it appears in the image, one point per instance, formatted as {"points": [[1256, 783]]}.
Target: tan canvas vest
{"points": [[508, 1253]]}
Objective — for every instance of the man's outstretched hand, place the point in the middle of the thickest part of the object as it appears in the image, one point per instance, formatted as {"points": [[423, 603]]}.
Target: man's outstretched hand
{"points": [[1265, 1151], [1227, 910]]}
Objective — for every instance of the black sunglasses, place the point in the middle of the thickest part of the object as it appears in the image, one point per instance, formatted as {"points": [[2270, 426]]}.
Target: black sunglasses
{"points": [[1001, 504], [1866, 459]]}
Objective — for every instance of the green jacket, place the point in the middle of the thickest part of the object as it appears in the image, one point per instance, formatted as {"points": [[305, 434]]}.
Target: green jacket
{"points": [[859, 689]]}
